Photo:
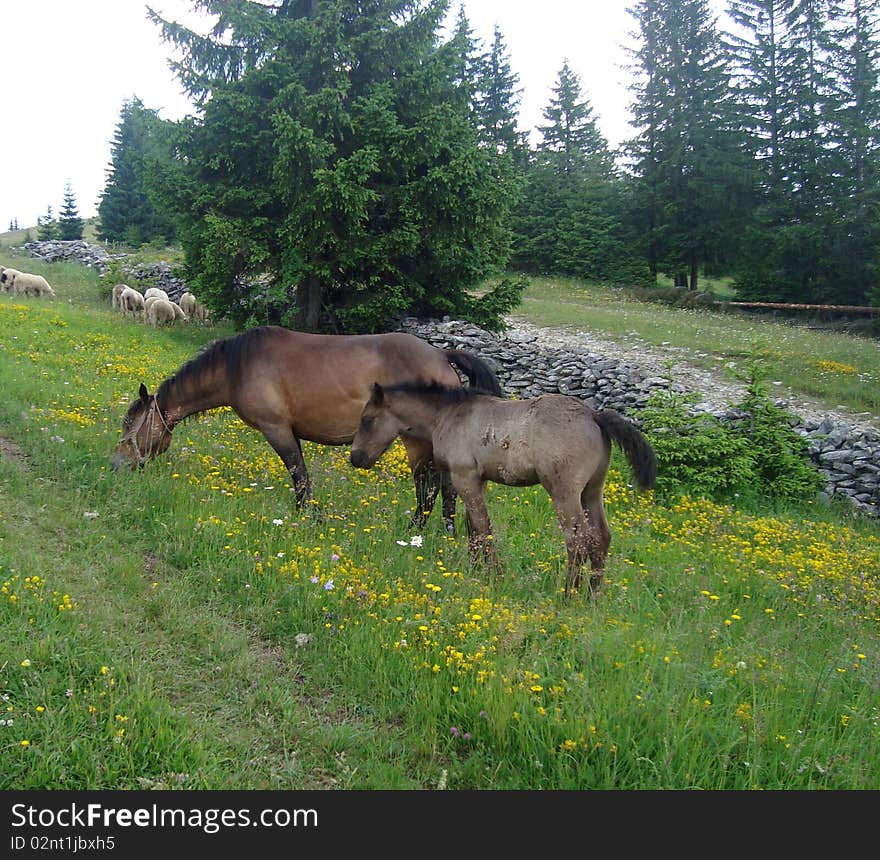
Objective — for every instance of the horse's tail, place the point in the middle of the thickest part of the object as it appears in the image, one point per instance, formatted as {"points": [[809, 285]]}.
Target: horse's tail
{"points": [[633, 443], [479, 374]]}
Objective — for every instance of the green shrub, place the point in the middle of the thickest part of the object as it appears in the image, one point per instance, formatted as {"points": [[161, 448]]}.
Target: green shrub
{"points": [[779, 456], [760, 455], [696, 453]]}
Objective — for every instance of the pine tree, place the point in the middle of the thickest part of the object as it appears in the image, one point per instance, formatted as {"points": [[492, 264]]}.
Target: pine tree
{"points": [[47, 226], [126, 211], [335, 177], [569, 220], [572, 131], [497, 101], [812, 122], [688, 153], [70, 225], [854, 270]]}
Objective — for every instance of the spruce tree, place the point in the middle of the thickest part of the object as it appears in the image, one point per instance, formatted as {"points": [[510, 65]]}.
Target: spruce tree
{"points": [[569, 220], [47, 226], [572, 131], [334, 178], [854, 270], [126, 211], [688, 154], [70, 225], [497, 101], [813, 124]]}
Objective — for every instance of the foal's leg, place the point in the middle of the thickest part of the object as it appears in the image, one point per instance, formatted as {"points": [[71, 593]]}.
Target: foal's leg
{"points": [[447, 491], [578, 536], [594, 507], [425, 477], [480, 542], [288, 448]]}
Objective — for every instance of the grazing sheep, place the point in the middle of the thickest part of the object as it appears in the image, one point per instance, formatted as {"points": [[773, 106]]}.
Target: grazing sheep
{"points": [[160, 311], [179, 313], [188, 303], [115, 294], [7, 278], [131, 302], [148, 300], [155, 291], [26, 284], [200, 312]]}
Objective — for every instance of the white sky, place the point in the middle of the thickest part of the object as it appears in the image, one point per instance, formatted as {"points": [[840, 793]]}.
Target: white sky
{"points": [[67, 66]]}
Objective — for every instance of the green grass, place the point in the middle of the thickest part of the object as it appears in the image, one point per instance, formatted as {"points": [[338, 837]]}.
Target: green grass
{"points": [[835, 368], [185, 627]]}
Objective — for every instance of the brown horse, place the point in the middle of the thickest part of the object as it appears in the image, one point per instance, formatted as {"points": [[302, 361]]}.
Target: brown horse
{"points": [[555, 440], [294, 386]]}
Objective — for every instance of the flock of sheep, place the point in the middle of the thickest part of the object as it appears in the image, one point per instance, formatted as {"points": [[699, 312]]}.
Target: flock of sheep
{"points": [[24, 283], [155, 307]]}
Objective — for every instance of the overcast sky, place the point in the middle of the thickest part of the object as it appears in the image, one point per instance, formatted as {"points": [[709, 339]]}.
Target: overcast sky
{"points": [[69, 65]]}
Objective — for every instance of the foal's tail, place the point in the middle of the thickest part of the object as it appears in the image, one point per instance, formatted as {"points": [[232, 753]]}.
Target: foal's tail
{"points": [[479, 374], [635, 446]]}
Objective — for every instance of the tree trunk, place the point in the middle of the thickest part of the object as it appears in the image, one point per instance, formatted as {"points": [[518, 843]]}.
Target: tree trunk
{"points": [[309, 295], [694, 274]]}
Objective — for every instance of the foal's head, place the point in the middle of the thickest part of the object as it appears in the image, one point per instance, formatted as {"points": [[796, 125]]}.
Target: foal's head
{"points": [[378, 428], [146, 432]]}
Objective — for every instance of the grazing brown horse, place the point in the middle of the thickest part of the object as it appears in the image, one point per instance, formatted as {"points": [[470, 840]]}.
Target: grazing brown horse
{"points": [[554, 440], [292, 386]]}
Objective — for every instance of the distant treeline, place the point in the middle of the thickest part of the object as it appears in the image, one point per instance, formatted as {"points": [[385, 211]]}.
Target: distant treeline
{"points": [[347, 164]]}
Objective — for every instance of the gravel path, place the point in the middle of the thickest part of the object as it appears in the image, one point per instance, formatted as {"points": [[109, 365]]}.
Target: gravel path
{"points": [[716, 393]]}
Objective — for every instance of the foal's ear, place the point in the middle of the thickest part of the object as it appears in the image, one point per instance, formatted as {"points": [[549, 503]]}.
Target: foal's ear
{"points": [[143, 393], [378, 394]]}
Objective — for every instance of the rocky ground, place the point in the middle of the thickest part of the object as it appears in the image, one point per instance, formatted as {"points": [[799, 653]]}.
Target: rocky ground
{"points": [[716, 392]]}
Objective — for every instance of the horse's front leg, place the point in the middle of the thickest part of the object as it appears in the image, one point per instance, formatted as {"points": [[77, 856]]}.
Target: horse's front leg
{"points": [[288, 448]]}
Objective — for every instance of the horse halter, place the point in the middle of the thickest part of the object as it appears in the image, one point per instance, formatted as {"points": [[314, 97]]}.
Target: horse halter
{"points": [[131, 436]]}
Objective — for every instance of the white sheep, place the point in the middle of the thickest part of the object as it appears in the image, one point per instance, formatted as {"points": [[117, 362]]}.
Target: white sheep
{"points": [[7, 278], [26, 284], [115, 294], [179, 313], [155, 291], [160, 311], [131, 302], [188, 303]]}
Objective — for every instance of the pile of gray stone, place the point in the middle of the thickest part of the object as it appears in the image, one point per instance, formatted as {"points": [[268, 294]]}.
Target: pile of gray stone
{"points": [[847, 455], [78, 250], [75, 250], [157, 275]]}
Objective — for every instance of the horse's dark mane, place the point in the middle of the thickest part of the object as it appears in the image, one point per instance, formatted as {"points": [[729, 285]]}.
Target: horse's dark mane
{"points": [[444, 392], [228, 350]]}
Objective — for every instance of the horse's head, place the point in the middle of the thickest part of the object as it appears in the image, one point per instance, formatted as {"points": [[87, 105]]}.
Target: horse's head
{"points": [[146, 432], [377, 429]]}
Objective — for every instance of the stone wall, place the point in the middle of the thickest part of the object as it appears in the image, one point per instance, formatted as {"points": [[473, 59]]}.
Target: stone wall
{"points": [[847, 456], [140, 275]]}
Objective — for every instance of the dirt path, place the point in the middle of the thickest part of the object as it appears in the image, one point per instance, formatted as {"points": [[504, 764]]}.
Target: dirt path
{"points": [[10, 450], [716, 392]]}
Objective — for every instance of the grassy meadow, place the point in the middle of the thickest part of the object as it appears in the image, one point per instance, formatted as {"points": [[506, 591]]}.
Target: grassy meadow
{"points": [[832, 367], [185, 627]]}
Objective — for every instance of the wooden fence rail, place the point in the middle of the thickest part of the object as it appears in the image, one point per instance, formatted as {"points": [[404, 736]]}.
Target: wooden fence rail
{"points": [[863, 309]]}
